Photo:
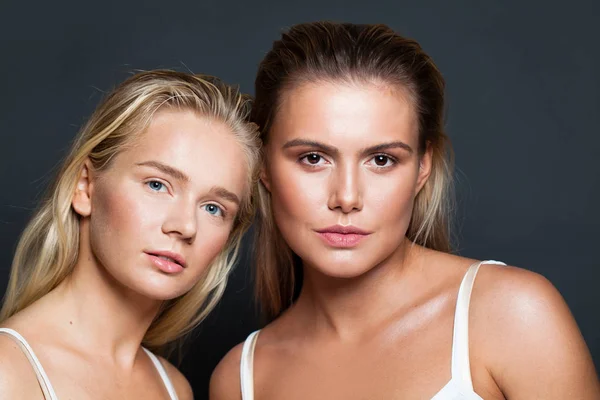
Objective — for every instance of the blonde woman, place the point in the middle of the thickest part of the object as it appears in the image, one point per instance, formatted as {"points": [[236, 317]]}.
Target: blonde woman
{"points": [[132, 247], [355, 210]]}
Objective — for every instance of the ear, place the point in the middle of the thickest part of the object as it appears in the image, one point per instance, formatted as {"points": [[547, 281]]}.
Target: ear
{"points": [[265, 179], [424, 168], [82, 197]]}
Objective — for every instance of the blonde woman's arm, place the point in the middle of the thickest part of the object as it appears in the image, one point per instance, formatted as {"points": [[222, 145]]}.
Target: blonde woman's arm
{"points": [[17, 376]]}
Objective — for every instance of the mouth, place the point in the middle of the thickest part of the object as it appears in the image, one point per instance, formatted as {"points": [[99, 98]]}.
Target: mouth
{"points": [[340, 236], [167, 261]]}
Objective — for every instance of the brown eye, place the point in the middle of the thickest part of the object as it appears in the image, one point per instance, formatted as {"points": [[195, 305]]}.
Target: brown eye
{"points": [[313, 158], [381, 161]]}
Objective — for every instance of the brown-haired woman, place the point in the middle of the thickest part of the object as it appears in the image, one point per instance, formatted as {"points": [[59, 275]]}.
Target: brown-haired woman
{"points": [[355, 202], [132, 246]]}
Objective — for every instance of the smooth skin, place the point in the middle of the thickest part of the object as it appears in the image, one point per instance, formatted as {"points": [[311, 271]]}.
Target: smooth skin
{"points": [[156, 195], [375, 321]]}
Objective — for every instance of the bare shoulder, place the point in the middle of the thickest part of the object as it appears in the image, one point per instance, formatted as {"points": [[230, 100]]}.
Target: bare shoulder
{"points": [[521, 305], [180, 382], [518, 298], [17, 377], [531, 342], [225, 380]]}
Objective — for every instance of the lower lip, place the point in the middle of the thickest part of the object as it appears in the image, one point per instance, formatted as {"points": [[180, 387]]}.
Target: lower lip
{"points": [[342, 240], [165, 266]]}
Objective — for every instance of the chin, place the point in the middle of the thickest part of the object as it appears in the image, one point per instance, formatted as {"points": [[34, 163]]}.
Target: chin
{"points": [[160, 289], [342, 266], [162, 295], [342, 273]]}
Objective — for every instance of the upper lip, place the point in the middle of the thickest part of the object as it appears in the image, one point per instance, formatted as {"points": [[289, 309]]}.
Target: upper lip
{"points": [[346, 230], [178, 258]]}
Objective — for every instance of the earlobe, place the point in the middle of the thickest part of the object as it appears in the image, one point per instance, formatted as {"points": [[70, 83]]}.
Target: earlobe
{"points": [[82, 196]]}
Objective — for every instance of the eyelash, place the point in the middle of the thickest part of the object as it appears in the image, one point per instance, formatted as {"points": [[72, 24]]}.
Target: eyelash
{"points": [[390, 158]]}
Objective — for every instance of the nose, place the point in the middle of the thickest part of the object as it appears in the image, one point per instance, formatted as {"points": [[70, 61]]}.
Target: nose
{"points": [[181, 221], [346, 189]]}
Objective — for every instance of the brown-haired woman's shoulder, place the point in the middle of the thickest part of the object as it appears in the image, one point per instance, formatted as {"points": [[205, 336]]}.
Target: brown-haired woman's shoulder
{"points": [[225, 380], [524, 331]]}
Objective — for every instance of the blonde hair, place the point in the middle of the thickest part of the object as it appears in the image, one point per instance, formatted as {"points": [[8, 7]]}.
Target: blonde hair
{"points": [[48, 248], [334, 52]]}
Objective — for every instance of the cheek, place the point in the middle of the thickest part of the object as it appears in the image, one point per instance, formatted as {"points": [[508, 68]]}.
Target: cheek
{"points": [[117, 222], [392, 195], [296, 193], [391, 200], [117, 212], [209, 244]]}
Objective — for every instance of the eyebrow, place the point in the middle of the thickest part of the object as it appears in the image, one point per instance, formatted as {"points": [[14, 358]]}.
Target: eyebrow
{"points": [[334, 151], [218, 191], [310, 143], [386, 146], [173, 172], [225, 194]]}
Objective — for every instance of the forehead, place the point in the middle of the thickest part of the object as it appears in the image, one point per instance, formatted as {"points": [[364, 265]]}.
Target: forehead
{"points": [[204, 149], [346, 113]]}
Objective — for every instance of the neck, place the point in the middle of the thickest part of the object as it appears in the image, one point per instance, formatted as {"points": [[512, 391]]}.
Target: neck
{"points": [[101, 314], [354, 307]]}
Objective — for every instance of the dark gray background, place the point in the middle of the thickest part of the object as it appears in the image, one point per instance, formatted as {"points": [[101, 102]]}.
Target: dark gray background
{"points": [[523, 95]]}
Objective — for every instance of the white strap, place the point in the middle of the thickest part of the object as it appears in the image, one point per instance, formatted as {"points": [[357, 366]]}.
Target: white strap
{"points": [[42, 378], [163, 374], [461, 367], [247, 367]]}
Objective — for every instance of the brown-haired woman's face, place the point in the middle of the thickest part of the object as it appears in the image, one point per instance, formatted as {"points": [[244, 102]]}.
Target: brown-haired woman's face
{"points": [[165, 207], [343, 169]]}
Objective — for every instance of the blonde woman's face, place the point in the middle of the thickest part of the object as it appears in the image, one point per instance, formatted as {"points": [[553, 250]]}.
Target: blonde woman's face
{"points": [[164, 208], [343, 170]]}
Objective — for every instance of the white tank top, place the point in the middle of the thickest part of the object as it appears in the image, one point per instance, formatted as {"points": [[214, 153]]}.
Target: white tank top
{"points": [[460, 386], [46, 386]]}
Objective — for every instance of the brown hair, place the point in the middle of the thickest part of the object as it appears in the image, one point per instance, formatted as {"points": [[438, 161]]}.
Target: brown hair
{"points": [[348, 53], [48, 249]]}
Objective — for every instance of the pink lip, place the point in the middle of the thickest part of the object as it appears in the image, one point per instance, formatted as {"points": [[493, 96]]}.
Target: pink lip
{"points": [[170, 267], [342, 236]]}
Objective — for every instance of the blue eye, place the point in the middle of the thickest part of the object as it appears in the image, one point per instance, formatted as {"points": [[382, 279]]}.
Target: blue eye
{"points": [[213, 209], [156, 186]]}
